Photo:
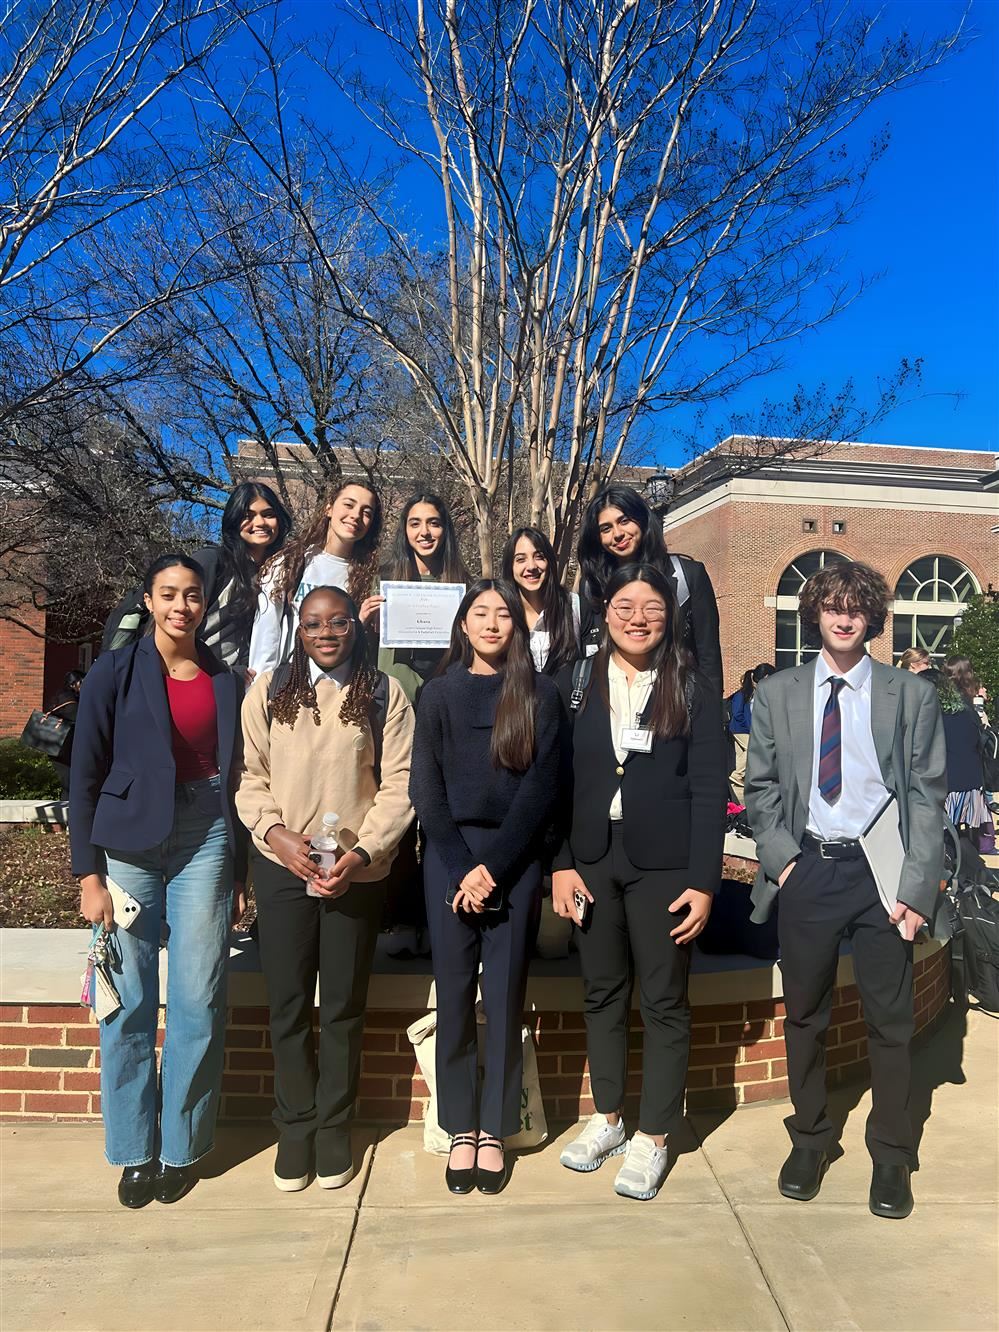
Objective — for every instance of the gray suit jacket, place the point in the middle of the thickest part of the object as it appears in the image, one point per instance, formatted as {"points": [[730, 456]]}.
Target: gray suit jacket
{"points": [[909, 740]]}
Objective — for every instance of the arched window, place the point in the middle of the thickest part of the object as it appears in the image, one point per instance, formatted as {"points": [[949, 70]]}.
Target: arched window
{"points": [[929, 597], [788, 648]]}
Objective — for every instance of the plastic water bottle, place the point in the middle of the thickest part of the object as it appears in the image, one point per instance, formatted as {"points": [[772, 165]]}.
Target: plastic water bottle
{"points": [[325, 849]]}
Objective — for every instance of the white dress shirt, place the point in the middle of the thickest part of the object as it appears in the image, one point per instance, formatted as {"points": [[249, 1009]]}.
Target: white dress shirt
{"points": [[627, 703], [863, 792], [339, 675]]}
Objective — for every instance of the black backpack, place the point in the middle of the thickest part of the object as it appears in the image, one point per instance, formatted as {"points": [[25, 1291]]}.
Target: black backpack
{"points": [[379, 707], [583, 670], [974, 924], [990, 758]]}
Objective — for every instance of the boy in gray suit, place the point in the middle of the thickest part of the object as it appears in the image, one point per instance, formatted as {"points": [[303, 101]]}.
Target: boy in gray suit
{"points": [[831, 743]]}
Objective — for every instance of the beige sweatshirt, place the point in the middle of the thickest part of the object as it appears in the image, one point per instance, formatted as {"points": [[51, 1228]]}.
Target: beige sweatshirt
{"points": [[294, 775]]}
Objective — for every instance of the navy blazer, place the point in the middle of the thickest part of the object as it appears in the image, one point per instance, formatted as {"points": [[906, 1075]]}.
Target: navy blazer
{"points": [[123, 775]]}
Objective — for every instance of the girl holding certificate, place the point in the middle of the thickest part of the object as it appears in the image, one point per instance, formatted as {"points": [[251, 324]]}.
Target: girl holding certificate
{"points": [[425, 549], [316, 741], [337, 548], [640, 860], [484, 777], [552, 613]]}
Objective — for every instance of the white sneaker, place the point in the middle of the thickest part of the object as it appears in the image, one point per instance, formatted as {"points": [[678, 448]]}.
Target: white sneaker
{"points": [[643, 1171], [596, 1142]]}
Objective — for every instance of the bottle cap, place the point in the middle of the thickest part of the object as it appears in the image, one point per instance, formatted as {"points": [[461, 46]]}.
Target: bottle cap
{"points": [[330, 820]]}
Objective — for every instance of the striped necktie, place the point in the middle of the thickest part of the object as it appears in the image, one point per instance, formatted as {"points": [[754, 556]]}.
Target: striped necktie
{"points": [[830, 745]]}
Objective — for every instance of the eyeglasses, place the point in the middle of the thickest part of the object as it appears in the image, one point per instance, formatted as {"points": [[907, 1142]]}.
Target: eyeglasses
{"points": [[339, 626], [653, 614]]}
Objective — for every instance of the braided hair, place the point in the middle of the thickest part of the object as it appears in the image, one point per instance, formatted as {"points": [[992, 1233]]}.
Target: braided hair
{"points": [[299, 691]]}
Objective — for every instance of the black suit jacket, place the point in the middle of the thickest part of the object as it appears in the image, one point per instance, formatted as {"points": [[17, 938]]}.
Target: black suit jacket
{"points": [[123, 775], [698, 614], [673, 799]]}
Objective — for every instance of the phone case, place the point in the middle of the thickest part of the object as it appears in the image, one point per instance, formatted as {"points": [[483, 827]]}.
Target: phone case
{"points": [[582, 906], [126, 908]]}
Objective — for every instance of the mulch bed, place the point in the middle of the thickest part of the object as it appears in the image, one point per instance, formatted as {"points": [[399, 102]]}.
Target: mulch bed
{"points": [[36, 887]]}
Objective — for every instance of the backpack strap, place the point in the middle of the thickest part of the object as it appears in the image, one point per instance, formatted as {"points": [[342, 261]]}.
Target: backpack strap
{"points": [[581, 673]]}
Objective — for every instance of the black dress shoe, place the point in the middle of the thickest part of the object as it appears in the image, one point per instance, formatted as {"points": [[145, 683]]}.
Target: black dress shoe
{"points": [[461, 1181], [135, 1188], [171, 1183], [491, 1181], [890, 1192], [801, 1174]]}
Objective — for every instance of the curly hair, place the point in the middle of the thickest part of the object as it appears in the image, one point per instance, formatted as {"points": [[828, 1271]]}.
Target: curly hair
{"points": [[298, 691], [291, 561], [846, 585]]}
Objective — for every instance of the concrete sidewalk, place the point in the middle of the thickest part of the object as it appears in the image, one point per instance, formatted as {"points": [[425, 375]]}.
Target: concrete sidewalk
{"points": [[718, 1249]]}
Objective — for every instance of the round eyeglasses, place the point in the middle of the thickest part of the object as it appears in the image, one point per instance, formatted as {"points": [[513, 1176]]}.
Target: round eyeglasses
{"points": [[654, 614], [338, 625]]}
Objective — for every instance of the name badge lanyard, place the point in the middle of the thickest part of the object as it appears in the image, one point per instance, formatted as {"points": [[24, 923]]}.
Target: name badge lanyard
{"points": [[636, 739]]}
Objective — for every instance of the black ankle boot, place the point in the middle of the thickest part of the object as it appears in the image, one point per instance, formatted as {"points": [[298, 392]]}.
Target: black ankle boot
{"points": [[135, 1188], [801, 1174]]}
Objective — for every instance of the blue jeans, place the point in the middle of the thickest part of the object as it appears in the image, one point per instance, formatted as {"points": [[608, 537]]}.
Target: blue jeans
{"points": [[188, 879]]}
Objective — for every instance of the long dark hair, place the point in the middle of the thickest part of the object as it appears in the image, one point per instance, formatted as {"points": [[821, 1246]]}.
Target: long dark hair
{"points": [[597, 566], [171, 560], [556, 603], [669, 659], [363, 556], [236, 562], [298, 691], [401, 565], [753, 677], [512, 744]]}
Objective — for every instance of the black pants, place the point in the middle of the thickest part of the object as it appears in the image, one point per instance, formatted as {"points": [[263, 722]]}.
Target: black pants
{"points": [[302, 937], [627, 935], [822, 902], [502, 941]]}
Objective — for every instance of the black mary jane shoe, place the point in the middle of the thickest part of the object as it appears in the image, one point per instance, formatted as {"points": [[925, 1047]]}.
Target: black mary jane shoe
{"points": [[135, 1188], [491, 1181], [891, 1195], [171, 1183], [461, 1181]]}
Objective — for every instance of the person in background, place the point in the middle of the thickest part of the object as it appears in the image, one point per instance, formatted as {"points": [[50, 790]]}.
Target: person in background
{"points": [[644, 828], [967, 803], [155, 755], [834, 743], [315, 744], [619, 528], [484, 777], [915, 659], [551, 612], [425, 549], [740, 718], [65, 704], [255, 526], [337, 548]]}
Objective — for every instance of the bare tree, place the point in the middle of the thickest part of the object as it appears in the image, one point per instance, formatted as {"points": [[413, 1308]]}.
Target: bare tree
{"points": [[637, 202]]}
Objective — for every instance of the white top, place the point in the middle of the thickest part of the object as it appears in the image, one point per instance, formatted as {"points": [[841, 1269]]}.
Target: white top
{"points": [[863, 791], [273, 633], [541, 638], [339, 675], [627, 703]]}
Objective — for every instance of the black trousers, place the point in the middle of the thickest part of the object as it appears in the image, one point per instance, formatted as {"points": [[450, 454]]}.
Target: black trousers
{"points": [[627, 935], [502, 942], [823, 902], [302, 937]]}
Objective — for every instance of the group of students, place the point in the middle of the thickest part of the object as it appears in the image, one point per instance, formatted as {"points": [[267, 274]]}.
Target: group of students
{"points": [[549, 738], [576, 738]]}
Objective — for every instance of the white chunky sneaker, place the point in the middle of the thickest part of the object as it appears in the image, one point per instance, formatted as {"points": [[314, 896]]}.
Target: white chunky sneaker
{"points": [[596, 1142], [643, 1171]]}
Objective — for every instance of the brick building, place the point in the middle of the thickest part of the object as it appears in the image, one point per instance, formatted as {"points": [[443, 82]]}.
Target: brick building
{"points": [[927, 518]]}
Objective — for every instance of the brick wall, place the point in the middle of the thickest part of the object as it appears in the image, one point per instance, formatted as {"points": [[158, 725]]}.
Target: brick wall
{"points": [[49, 1061], [746, 546], [23, 657]]}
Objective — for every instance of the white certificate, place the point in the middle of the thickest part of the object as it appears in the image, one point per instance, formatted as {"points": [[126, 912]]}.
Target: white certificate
{"points": [[419, 615]]}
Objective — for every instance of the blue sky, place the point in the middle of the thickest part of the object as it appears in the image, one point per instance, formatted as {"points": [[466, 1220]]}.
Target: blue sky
{"points": [[929, 229]]}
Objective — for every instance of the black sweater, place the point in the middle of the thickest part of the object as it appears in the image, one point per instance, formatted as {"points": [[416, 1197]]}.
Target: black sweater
{"points": [[454, 783]]}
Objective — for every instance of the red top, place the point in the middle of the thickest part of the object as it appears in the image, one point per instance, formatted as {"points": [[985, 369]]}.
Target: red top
{"points": [[194, 727]]}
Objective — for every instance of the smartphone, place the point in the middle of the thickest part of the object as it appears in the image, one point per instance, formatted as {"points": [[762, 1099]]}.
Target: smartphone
{"points": [[126, 909], [581, 903], [487, 905]]}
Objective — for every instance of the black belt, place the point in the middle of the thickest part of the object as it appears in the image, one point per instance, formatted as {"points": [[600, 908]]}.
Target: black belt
{"points": [[843, 848]]}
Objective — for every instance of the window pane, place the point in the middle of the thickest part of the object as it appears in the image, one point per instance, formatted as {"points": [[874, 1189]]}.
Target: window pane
{"points": [[787, 631], [933, 632], [794, 576]]}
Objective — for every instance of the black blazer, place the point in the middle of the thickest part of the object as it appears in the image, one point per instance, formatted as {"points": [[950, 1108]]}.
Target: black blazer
{"points": [[673, 799], [121, 791], [698, 616]]}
